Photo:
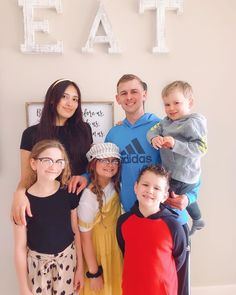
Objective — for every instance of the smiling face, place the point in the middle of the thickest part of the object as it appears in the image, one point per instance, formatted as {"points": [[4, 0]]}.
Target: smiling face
{"points": [[48, 165], [131, 96], [177, 105], [151, 190], [67, 105], [106, 168]]}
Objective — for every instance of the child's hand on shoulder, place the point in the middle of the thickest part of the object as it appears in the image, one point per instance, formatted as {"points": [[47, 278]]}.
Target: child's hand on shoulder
{"points": [[77, 183], [78, 279], [157, 142], [96, 284]]}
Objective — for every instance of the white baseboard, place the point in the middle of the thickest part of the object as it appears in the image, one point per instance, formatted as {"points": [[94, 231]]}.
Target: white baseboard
{"points": [[214, 290]]}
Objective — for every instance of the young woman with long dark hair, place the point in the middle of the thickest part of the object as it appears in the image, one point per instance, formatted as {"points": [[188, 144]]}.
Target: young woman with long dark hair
{"points": [[62, 120]]}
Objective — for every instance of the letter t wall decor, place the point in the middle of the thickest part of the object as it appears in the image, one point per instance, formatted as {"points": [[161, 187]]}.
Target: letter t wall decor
{"points": [[161, 6]]}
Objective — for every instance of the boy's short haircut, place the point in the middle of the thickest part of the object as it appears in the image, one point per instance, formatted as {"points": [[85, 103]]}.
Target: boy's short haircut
{"points": [[183, 86], [157, 170], [130, 77]]}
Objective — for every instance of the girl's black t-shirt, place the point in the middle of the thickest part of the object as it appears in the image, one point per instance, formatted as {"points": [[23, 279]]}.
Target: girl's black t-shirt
{"points": [[49, 231]]}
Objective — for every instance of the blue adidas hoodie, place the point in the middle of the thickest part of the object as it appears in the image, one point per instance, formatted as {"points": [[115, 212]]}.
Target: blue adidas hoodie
{"points": [[135, 149]]}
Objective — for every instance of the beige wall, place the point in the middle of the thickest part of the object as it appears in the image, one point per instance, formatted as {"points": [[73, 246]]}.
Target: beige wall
{"points": [[202, 44]]}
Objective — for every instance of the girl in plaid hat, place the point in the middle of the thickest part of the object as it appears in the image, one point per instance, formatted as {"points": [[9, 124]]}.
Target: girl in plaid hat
{"points": [[98, 211]]}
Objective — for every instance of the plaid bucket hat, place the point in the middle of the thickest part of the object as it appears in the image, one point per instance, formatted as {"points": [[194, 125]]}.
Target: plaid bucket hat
{"points": [[103, 150]]}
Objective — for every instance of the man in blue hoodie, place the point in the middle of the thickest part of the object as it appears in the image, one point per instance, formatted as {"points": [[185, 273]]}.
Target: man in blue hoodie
{"points": [[130, 136], [136, 152]]}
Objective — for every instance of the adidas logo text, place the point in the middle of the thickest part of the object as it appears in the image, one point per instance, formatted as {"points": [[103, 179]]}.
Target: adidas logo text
{"points": [[136, 159]]}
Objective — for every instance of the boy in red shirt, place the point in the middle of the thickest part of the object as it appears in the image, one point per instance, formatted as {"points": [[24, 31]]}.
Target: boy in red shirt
{"points": [[151, 239]]}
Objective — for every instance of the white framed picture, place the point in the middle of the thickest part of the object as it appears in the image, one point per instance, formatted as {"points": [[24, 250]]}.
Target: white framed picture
{"points": [[99, 114]]}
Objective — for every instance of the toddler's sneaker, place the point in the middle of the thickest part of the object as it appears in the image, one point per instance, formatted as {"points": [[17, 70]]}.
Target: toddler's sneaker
{"points": [[196, 225]]}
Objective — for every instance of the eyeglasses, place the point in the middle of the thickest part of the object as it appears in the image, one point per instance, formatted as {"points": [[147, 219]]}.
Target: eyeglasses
{"points": [[49, 162], [114, 162]]}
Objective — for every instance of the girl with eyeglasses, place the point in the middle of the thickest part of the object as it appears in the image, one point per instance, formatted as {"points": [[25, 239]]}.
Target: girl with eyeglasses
{"points": [[48, 254], [98, 212], [61, 119]]}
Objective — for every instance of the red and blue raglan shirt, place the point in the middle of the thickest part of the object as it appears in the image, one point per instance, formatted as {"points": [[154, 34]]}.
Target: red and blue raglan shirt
{"points": [[154, 250]]}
